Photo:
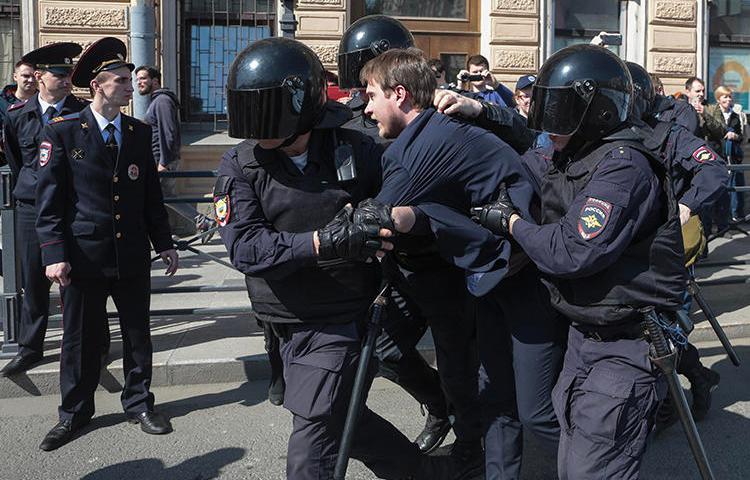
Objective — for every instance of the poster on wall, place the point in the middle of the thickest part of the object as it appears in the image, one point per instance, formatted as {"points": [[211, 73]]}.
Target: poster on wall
{"points": [[730, 66]]}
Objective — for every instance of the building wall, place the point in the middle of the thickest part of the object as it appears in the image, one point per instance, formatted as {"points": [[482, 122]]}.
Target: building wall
{"points": [[513, 38], [672, 42], [320, 25]]}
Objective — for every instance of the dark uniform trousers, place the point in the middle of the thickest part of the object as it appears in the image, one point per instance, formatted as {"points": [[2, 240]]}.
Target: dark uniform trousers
{"points": [[605, 400], [520, 339], [440, 295], [320, 363], [84, 327], [36, 285]]}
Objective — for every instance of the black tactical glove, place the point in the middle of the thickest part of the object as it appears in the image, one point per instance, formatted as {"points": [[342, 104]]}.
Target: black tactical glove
{"points": [[372, 212], [495, 216], [342, 238]]}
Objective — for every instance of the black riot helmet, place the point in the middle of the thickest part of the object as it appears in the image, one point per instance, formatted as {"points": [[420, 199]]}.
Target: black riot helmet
{"points": [[644, 93], [364, 40], [584, 90], [275, 89]]}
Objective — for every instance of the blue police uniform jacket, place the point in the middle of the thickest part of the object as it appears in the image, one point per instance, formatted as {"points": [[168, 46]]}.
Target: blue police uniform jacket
{"points": [[22, 132], [699, 175], [94, 213], [609, 242], [268, 210], [668, 109], [443, 167]]}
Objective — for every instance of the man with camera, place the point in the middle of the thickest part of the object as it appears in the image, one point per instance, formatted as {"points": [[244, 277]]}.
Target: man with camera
{"points": [[477, 78]]}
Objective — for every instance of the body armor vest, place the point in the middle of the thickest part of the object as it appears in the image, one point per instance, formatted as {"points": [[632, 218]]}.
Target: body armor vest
{"points": [[329, 291], [650, 272]]}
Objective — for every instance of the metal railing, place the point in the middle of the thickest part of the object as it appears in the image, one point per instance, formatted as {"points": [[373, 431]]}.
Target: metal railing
{"points": [[10, 309]]}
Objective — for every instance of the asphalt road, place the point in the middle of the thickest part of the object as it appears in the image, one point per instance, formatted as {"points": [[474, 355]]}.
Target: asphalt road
{"points": [[229, 431]]}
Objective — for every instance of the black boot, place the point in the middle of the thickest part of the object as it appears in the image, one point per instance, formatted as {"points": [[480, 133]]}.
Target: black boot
{"points": [[666, 416], [436, 428], [703, 381]]}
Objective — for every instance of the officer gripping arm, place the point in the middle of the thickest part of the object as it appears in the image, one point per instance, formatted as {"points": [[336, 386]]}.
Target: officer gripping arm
{"points": [[601, 222]]}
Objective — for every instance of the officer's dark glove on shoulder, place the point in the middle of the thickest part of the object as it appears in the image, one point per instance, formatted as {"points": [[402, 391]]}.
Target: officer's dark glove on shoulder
{"points": [[344, 239], [372, 212], [495, 216]]}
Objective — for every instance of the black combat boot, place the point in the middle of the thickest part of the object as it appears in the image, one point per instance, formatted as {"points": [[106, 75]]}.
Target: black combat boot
{"points": [[703, 381]]}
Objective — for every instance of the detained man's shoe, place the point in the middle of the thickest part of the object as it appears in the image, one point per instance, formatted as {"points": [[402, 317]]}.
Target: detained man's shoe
{"points": [[666, 416], [151, 422], [61, 434], [435, 431], [20, 364]]}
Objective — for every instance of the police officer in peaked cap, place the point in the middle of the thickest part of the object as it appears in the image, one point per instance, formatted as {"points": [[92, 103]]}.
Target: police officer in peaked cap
{"points": [[100, 212], [53, 65], [284, 200], [609, 245]]}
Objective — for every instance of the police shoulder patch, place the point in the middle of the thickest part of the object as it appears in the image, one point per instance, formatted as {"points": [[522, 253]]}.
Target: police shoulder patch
{"points": [[593, 217], [17, 105], [221, 209], [45, 153], [704, 154]]}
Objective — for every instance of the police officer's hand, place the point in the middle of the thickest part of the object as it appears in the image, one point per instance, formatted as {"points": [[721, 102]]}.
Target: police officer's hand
{"points": [[684, 213], [172, 260], [495, 216], [372, 212], [161, 168], [342, 238], [453, 103], [58, 273]]}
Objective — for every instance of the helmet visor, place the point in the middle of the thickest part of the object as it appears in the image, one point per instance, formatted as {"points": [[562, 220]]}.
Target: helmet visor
{"points": [[557, 110], [350, 64], [268, 113]]}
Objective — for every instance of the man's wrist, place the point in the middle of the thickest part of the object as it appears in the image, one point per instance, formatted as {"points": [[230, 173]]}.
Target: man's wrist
{"points": [[316, 243]]}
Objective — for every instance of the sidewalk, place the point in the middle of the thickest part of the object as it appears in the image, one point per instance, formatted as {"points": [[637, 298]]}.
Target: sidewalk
{"points": [[226, 348]]}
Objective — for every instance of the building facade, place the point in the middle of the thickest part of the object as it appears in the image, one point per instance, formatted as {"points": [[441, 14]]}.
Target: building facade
{"points": [[196, 40]]}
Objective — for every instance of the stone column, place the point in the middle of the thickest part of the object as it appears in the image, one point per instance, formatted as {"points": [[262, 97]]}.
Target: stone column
{"points": [[320, 25], [513, 39], [672, 42]]}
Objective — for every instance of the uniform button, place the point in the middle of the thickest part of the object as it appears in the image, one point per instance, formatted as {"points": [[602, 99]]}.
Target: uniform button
{"points": [[117, 217], [118, 235], [115, 179], [117, 198]]}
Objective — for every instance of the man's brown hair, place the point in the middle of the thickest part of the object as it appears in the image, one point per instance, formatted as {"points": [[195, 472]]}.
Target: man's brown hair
{"points": [[406, 67]]}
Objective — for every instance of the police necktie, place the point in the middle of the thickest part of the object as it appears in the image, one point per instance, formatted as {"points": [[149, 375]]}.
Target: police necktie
{"points": [[50, 114], [111, 143]]}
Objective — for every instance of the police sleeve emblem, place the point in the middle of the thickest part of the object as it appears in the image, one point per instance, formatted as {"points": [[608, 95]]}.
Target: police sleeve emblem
{"points": [[593, 218], [45, 153], [221, 209], [703, 155]]}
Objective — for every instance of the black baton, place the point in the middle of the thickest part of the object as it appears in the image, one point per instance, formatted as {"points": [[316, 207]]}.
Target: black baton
{"points": [[664, 359], [695, 292], [356, 402]]}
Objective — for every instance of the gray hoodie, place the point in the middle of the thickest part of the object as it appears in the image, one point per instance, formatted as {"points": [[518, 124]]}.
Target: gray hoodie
{"points": [[163, 115]]}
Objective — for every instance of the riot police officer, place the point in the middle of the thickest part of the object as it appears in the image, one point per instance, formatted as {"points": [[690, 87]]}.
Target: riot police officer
{"points": [[22, 131], [100, 210], [609, 245], [399, 360], [283, 205], [699, 178]]}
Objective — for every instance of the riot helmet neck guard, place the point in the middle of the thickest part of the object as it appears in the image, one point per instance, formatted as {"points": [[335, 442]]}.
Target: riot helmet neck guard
{"points": [[582, 90], [275, 89], [364, 40]]}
